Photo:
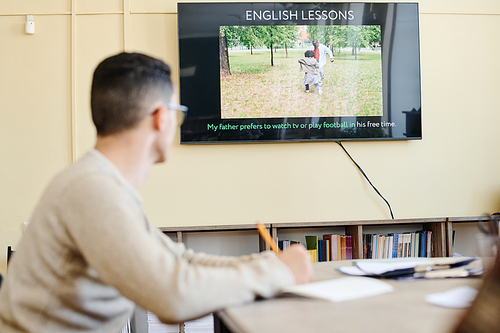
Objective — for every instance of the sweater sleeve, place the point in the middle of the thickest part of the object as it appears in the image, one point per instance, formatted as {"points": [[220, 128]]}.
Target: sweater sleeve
{"points": [[111, 233]]}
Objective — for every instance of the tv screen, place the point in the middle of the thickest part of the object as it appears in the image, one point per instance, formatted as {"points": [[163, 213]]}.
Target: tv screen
{"points": [[285, 72]]}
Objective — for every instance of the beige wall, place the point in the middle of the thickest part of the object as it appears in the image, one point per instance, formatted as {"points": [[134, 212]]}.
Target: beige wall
{"points": [[45, 124]]}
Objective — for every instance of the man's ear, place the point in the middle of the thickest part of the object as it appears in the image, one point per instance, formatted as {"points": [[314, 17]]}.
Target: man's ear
{"points": [[160, 117]]}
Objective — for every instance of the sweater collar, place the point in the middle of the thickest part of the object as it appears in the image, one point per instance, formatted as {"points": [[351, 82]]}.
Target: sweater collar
{"points": [[117, 173]]}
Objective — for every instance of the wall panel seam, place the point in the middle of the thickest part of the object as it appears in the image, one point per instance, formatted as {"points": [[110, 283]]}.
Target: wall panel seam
{"points": [[458, 13], [150, 12], [62, 13], [175, 13], [73, 82], [126, 25]]}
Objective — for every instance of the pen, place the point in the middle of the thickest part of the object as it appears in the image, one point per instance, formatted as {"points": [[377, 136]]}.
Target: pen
{"points": [[266, 237]]}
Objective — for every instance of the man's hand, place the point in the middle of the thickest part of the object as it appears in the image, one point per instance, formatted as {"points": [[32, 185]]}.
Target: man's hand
{"points": [[299, 261]]}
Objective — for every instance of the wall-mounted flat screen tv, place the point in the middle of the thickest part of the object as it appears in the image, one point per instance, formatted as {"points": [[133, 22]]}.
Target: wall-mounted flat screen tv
{"points": [[285, 72]]}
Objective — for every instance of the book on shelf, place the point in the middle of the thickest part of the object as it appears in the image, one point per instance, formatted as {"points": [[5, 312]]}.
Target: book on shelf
{"points": [[314, 255], [380, 246], [368, 241], [321, 250], [395, 238], [312, 247], [339, 247], [429, 253], [324, 250], [417, 245], [412, 244], [312, 242], [390, 242], [342, 248], [400, 246], [423, 236], [348, 247]]}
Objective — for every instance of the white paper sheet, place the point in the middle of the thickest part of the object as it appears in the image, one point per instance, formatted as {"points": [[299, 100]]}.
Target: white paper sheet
{"points": [[342, 289], [458, 298]]}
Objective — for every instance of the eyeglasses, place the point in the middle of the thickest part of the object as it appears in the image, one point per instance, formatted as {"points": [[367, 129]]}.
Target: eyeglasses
{"points": [[181, 111]]}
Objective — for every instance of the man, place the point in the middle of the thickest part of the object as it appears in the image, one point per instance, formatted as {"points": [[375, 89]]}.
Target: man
{"points": [[320, 52], [90, 253]]}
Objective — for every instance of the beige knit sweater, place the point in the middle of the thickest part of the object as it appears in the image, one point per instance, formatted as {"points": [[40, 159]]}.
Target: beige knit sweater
{"points": [[90, 253]]}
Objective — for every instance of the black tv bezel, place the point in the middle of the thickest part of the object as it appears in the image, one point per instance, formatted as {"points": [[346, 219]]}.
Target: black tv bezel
{"points": [[199, 73]]}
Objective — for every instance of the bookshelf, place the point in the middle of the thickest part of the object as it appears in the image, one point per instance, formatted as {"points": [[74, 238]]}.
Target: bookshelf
{"points": [[441, 228]]}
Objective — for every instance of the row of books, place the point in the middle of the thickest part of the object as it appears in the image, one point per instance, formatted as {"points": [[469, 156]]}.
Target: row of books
{"points": [[330, 248], [398, 245], [285, 244], [375, 246]]}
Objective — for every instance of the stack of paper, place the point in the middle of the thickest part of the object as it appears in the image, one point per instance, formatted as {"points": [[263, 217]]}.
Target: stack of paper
{"points": [[156, 326], [201, 325], [410, 269], [126, 328]]}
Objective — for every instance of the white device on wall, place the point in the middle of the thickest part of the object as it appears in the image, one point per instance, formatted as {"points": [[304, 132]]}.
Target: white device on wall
{"points": [[29, 28]]}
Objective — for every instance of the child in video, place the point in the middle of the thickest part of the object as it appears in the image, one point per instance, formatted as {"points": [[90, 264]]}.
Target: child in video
{"points": [[310, 67]]}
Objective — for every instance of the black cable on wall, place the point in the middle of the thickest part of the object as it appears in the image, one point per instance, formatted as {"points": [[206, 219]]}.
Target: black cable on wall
{"points": [[366, 177]]}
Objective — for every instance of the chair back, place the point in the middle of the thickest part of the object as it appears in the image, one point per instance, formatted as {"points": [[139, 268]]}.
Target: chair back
{"points": [[9, 253]]}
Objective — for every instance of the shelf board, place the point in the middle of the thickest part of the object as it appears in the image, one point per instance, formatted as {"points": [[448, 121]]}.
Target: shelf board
{"points": [[197, 228]]}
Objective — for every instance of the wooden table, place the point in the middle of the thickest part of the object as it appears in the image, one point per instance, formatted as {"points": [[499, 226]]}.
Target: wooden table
{"points": [[404, 310]]}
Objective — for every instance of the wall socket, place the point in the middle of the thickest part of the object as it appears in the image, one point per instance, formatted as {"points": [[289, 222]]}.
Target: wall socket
{"points": [[25, 226]]}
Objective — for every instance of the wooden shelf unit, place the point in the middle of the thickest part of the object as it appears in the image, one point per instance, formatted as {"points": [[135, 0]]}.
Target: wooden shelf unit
{"points": [[441, 228]]}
